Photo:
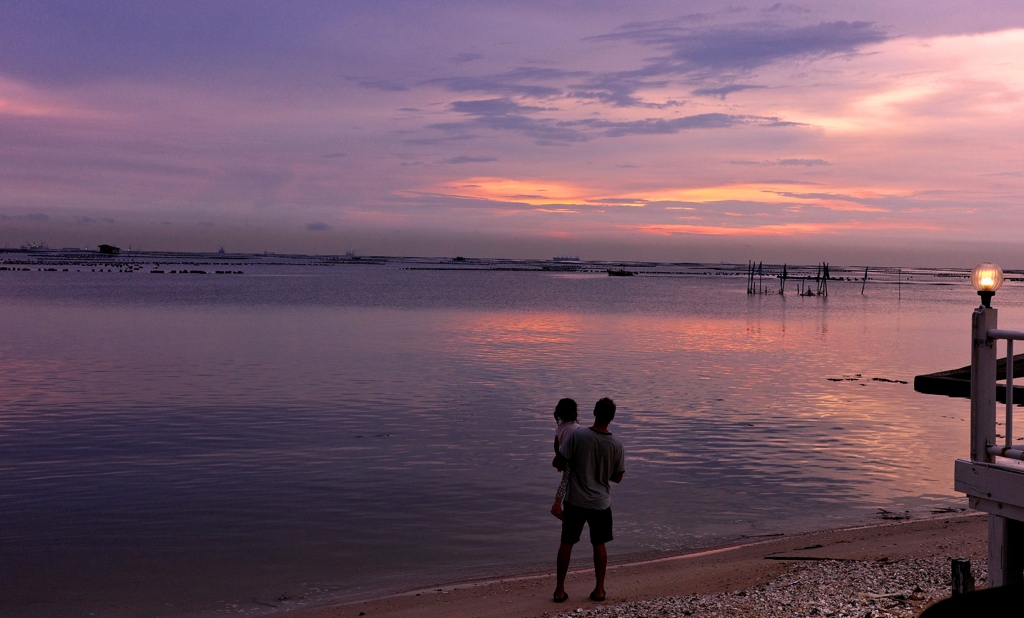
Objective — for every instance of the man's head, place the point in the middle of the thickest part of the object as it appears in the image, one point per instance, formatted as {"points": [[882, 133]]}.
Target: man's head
{"points": [[604, 410]]}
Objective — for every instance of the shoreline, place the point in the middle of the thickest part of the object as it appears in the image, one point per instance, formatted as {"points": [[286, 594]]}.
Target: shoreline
{"points": [[738, 568]]}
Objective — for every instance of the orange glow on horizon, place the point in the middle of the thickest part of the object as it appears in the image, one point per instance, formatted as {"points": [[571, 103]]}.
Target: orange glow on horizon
{"points": [[20, 99], [832, 198], [16, 108], [556, 193], [533, 192], [782, 229]]}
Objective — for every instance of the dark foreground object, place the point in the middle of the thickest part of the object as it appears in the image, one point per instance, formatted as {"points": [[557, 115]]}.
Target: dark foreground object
{"points": [[963, 581], [1006, 600]]}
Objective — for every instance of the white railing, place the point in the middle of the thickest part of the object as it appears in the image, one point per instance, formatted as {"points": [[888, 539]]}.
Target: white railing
{"points": [[995, 487], [1008, 449]]}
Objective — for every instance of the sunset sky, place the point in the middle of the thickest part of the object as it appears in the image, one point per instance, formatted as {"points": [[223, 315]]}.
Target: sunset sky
{"points": [[873, 132]]}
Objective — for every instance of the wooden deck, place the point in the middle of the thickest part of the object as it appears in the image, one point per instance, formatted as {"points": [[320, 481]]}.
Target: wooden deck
{"points": [[991, 487]]}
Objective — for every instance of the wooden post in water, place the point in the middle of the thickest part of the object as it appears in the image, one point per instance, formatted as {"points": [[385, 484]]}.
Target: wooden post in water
{"points": [[865, 281], [782, 281]]}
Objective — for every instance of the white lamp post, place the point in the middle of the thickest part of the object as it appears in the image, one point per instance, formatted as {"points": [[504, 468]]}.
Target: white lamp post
{"points": [[987, 278], [990, 485]]}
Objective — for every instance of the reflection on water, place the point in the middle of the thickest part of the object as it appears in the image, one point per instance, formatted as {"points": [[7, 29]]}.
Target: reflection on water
{"points": [[338, 432]]}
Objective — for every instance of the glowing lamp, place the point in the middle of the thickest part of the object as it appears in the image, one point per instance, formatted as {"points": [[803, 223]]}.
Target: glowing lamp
{"points": [[987, 278]]}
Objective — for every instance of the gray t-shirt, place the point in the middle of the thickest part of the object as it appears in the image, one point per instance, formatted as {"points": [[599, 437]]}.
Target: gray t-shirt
{"points": [[593, 459]]}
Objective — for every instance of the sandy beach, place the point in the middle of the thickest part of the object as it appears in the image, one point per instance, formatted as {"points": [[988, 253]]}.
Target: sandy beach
{"points": [[888, 569]]}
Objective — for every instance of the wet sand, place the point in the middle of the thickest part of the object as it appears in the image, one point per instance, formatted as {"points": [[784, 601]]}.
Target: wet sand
{"points": [[733, 569]]}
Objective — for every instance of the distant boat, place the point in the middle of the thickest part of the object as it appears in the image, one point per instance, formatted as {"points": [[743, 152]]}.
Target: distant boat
{"points": [[565, 258], [622, 272]]}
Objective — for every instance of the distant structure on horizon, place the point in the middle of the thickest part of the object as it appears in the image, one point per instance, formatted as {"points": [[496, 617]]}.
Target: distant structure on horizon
{"points": [[109, 250], [565, 258]]}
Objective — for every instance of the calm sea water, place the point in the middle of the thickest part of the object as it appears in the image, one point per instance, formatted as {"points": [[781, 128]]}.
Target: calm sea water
{"points": [[186, 444]]}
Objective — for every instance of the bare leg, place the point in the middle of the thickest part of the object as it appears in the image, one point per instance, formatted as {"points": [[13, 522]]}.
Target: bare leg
{"points": [[556, 508], [564, 554], [600, 566]]}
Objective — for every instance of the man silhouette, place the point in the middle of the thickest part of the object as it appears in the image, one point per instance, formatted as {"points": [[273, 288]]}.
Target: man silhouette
{"points": [[594, 457]]}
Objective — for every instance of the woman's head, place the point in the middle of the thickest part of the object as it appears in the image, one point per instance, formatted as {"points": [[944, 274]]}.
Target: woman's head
{"points": [[565, 411]]}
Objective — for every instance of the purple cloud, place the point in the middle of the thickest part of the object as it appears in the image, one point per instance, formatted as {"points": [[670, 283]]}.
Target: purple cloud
{"points": [[381, 84], [520, 81], [465, 159], [703, 53], [507, 115], [746, 46], [74, 42], [724, 91], [33, 217], [660, 126], [466, 57], [804, 162], [784, 162]]}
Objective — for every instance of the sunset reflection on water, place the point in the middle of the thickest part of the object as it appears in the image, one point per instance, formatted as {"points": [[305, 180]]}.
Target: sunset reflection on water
{"points": [[755, 393], [275, 422]]}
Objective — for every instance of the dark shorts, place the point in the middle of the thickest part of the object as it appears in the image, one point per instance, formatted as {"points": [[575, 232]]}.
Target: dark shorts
{"points": [[600, 522]]}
